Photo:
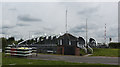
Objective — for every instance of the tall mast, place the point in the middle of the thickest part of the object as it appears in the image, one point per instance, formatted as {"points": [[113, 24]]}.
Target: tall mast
{"points": [[105, 33], [86, 32], [66, 22]]}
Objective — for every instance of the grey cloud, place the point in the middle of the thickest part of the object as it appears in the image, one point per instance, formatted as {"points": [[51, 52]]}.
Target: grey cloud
{"points": [[92, 10], [98, 34], [78, 29], [4, 32], [88, 12], [108, 36], [42, 31], [82, 27], [6, 27], [38, 33], [79, 11], [27, 18], [48, 29], [17, 36], [9, 27], [12, 9], [20, 24], [113, 33]]}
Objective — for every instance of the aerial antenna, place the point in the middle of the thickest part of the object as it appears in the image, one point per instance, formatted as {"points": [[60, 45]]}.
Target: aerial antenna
{"points": [[86, 32], [66, 22], [105, 34]]}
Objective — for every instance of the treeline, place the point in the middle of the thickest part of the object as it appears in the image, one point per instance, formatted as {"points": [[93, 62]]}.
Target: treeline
{"points": [[114, 45], [41, 40], [8, 41]]}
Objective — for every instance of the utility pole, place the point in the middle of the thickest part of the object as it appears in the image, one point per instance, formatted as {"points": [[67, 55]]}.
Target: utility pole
{"points": [[86, 33]]}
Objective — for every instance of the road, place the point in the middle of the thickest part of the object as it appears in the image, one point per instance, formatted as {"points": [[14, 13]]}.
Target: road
{"points": [[78, 59]]}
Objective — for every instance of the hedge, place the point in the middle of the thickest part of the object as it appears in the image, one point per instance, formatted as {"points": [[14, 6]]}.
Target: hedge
{"points": [[114, 45]]}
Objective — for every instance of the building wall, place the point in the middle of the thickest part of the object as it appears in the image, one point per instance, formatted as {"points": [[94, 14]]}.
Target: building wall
{"points": [[77, 51], [60, 50]]}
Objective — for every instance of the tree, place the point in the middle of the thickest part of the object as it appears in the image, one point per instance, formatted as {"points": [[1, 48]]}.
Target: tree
{"points": [[4, 43], [11, 40], [20, 40]]}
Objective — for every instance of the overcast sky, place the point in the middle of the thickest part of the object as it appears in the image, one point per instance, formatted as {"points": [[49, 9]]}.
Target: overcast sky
{"points": [[23, 19]]}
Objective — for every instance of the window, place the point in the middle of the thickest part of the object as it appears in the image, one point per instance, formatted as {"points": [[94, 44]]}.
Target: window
{"points": [[78, 45], [61, 42], [69, 42]]}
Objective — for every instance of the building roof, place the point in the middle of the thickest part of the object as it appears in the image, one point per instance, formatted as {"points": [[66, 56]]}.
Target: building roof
{"points": [[81, 40], [68, 36]]}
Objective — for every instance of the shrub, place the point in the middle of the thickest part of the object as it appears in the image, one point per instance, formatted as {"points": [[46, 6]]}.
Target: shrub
{"points": [[114, 45]]}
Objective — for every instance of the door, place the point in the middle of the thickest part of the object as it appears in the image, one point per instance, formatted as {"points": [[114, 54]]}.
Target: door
{"points": [[69, 50]]}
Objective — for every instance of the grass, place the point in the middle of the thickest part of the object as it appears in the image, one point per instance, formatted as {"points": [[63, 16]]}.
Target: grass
{"points": [[24, 61], [0, 59], [16, 62], [106, 52]]}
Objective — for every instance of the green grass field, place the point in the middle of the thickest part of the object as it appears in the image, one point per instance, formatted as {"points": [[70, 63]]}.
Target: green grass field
{"points": [[24, 61], [16, 62], [106, 52], [0, 59]]}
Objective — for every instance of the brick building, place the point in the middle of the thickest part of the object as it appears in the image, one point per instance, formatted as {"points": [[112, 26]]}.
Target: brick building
{"points": [[68, 44]]}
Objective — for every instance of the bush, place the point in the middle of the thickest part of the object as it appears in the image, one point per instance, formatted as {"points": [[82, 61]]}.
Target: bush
{"points": [[114, 45], [82, 52]]}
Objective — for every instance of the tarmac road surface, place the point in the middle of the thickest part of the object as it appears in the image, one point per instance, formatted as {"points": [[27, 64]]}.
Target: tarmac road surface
{"points": [[78, 59]]}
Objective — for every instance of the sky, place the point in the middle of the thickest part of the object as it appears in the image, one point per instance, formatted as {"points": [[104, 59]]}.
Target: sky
{"points": [[28, 19]]}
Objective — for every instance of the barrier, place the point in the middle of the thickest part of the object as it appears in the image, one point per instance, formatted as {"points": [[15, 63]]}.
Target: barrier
{"points": [[20, 51]]}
